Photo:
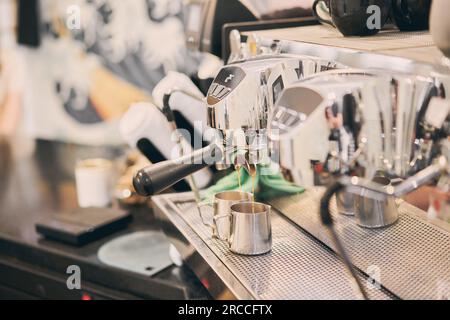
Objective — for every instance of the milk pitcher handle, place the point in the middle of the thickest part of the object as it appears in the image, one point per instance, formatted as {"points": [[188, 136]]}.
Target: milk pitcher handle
{"points": [[221, 217], [202, 215]]}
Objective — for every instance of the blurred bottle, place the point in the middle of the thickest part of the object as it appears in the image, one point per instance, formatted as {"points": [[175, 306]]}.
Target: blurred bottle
{"points": [[5, 165], [440, 25], [440, 201]]}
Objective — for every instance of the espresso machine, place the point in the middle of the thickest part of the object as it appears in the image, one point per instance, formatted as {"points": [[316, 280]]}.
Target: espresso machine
{"points": [[377, 136], [363, 121], [365, 124], [238, 105], [368, 136]]}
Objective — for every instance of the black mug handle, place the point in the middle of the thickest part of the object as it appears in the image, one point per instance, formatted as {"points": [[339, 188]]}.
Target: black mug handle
{"points": [[326, 21]]}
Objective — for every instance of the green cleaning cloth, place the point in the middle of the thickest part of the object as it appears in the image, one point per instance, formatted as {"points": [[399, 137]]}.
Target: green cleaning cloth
{"points": [[268, 185]]}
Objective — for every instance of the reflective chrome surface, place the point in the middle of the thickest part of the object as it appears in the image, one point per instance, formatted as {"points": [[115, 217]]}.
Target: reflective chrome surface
{"points": [[298, 267], [358, 124], [251, 229], [345, 202], [386, 109], [362, 122], [354, 57], [221, 218], [371, 213], [243, 94], [410, 258]]}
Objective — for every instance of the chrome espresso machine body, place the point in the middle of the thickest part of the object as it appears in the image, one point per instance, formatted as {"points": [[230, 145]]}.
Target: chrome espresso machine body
{"points": [[243, 94], [359, 118], [349, 130], [360, 125], [238, 105]]}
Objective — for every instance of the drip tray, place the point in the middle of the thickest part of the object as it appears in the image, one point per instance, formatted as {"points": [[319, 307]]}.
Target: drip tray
{"points": [[411, 258], [299, 266]]}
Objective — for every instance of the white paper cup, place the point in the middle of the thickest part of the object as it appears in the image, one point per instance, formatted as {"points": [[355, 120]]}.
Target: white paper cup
{"points": [[94, 183]]}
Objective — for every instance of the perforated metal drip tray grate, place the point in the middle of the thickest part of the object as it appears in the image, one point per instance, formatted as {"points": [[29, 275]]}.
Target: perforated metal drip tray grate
{"points": [[299, 266], [412, 257]]}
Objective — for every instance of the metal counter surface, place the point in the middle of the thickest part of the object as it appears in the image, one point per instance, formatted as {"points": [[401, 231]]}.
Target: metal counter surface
{"points": [[410, 259], [299, 266]]}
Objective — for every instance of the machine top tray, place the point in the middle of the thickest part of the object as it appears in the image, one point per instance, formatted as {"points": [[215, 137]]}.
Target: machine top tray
{"points": [[390, 39], [405, 51]]}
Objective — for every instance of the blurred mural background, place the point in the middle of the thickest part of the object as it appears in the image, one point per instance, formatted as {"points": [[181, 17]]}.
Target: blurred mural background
{"points": [[79, 64]]}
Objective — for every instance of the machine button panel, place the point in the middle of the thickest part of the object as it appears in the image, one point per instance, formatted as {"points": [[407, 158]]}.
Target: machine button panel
{"points": [[226, 81]]}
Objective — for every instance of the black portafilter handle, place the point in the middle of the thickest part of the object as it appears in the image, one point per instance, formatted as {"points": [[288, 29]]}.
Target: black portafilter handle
{"points": [[161, 176]]}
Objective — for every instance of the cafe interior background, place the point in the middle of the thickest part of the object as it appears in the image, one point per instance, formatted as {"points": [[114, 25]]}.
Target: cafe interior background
{"points": [[92, 92]]}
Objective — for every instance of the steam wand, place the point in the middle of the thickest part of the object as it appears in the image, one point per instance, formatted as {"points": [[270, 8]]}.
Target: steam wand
{"points": [[356, 185], [327, 220]]}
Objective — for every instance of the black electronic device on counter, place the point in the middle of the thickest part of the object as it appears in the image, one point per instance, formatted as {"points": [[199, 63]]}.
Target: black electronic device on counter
{"points": [[82, 226], [205, 18], [28, 18], [208, 22]]}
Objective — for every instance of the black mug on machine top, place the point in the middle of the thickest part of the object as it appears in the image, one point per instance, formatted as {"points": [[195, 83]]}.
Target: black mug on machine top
{"points": [[412, 15], [353, 17]]}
